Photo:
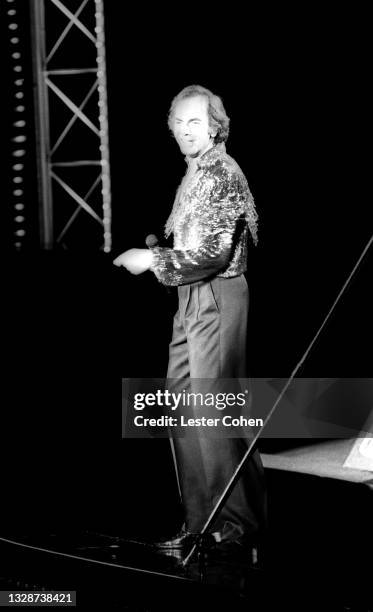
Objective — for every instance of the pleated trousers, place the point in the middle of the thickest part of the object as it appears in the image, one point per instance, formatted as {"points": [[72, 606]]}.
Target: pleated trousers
{"points": [[209, 348]]}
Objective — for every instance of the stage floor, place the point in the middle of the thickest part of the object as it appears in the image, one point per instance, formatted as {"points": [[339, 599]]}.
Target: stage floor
{"points": [[122, 572]]}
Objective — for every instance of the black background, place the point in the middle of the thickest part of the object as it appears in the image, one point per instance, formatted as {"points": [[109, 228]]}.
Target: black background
{"points": [[295, 88]]}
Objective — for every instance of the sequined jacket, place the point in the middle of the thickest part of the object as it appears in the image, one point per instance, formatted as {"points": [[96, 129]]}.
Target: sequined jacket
{"points": [[211, 220]]}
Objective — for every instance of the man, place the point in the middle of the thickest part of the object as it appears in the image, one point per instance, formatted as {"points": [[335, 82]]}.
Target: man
{"points": [[211, 220]]}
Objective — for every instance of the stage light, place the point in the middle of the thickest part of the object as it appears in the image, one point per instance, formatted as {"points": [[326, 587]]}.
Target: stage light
{"points": [[17, 137]]}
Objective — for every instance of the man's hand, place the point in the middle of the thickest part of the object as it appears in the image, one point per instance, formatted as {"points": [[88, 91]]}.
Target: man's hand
{"points": [[135, 261]]}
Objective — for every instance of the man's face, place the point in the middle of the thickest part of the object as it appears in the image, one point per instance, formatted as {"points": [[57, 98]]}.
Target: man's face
{"points": [[191, 126]]}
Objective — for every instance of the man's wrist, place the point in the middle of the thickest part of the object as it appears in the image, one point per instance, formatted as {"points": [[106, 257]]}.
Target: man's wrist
{"points": [[150, 260]]}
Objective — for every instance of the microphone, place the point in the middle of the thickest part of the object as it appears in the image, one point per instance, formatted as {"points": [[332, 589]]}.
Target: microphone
{"points": [[151, 241]]}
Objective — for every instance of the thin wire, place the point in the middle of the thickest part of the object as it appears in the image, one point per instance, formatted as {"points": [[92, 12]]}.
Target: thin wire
{"points": [[231, 482], [333, 306]]}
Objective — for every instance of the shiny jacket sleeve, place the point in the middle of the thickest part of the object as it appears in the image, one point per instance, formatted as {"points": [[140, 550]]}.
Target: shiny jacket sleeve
{"points": [[216, 214]]}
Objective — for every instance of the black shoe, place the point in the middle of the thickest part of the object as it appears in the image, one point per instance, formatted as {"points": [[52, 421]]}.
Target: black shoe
{"points": [[236, 551], [183, 539]]}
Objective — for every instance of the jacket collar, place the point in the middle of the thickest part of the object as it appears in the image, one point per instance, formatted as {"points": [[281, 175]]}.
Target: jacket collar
{"points": [[210, 156]]}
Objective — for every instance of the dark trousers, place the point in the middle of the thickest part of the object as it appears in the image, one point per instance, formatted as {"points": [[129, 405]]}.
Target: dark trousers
{"points": [[208, 348]]}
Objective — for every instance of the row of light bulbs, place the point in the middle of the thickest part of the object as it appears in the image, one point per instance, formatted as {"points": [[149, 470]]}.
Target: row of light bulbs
{"points": [[18, 137], [103, 119]]}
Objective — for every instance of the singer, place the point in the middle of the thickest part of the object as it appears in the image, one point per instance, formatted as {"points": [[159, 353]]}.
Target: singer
{"points": [[212, 220]]}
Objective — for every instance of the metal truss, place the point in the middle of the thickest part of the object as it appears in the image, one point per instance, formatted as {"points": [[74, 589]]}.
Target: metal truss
{"points": [[72, 123]]}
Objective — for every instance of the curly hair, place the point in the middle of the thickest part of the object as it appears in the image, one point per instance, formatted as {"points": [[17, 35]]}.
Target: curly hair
{"points": [[218, 118]]}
